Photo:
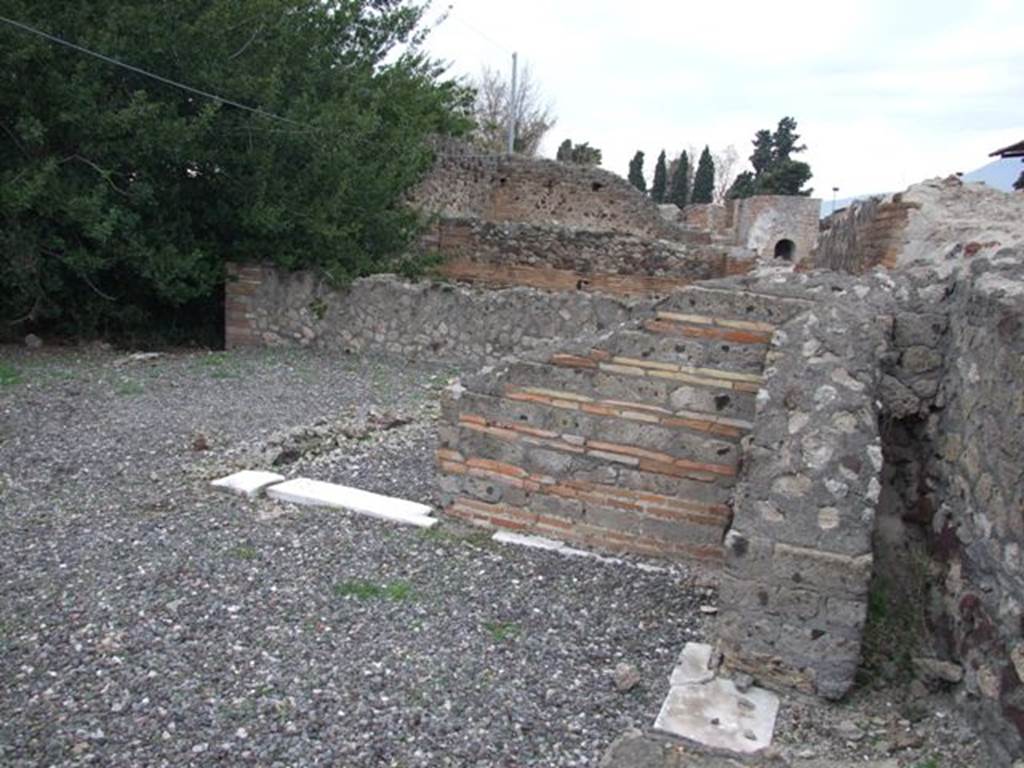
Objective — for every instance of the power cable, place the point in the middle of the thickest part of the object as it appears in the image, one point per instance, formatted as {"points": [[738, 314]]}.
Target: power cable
{"points": [[160, 78]]}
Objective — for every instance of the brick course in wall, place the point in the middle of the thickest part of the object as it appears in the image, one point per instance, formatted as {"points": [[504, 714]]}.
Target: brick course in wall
{"points": [[868, 234], [631, 443]]}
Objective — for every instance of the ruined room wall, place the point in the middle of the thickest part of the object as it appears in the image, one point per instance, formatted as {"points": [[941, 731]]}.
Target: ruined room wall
{"points": [[939, 224], [557, 258], [388, 315], [799, 557], [867, 234], [977, 530], [628, 441], [759, 222], [537, 191]]}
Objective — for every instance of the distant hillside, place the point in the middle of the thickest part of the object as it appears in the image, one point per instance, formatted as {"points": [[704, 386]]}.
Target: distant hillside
{"points": [[999, 174]]}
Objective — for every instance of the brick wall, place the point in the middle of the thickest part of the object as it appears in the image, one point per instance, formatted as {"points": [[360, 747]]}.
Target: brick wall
{"points": [[630, 442], [558, 258], [868, 234]]}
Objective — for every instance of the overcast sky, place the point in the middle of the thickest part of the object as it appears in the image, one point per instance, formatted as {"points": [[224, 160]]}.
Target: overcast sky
{"points": [[886, 92]]}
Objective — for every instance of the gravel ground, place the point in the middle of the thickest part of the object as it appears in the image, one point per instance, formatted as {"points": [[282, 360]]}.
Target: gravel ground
{"points": [[145, 620]]}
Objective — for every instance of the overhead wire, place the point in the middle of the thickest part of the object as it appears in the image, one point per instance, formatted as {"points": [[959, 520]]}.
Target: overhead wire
{"points": [[145, 73], [203, 93]]}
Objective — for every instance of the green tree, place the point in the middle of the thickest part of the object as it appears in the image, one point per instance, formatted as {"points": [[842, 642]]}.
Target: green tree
{"points": [[764, 152], [121, 197], [775, 171], [704, 179], [636, 172], [578, 154], [679, 188], [660, 185], [584, 154]]}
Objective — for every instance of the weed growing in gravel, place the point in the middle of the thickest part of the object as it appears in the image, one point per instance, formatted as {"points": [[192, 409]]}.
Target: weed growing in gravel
{"points": [[129, 388], [501, 631], [896, 624], [220, 365], [366, 590], [244, 552], [478, 538], [931, 762], [9, 375]]}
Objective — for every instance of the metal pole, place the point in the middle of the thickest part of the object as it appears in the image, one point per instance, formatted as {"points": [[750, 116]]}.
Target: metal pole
{"points": [[512, 108]]}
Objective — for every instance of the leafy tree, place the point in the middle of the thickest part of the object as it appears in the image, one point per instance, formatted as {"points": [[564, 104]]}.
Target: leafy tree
{"points": [[704, 179], [660, 185], [745, 185], [764, 152], [679, 188], [120, 196], [636, 172], [775, 171], [494, 103], [584, 154], [578, 154]]}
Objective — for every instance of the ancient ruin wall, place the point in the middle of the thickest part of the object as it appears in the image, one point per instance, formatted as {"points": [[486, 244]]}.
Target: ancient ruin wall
{"points": [[557, 258], [765, 224], [865, 235], [537, 191], [385, 314], [939, 223], [977, 529], [799, 554]]}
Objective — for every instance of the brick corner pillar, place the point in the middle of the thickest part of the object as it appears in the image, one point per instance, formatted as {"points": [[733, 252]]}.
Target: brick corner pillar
{"points": [[242, 281]]}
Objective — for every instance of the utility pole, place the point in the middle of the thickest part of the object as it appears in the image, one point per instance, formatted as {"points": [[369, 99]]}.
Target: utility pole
{"points": [[512, 107]]}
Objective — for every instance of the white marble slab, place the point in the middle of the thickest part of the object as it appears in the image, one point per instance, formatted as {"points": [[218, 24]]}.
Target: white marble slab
{"points": [[711, 711], [248, 482], [321, 494]]}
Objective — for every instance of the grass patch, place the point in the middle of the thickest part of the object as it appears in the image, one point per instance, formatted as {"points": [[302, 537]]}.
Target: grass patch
{"points": [[500, 631], [896, 627], [244, 552], [129, 388], [443, 534], [931, 762], [220, 365], [9, 375], [367, 590]]}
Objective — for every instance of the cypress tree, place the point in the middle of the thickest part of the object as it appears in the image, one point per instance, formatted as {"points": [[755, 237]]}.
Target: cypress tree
{"points": [[636, 172], [660, 185], [704, 180], [564, 152], [679, 189]]}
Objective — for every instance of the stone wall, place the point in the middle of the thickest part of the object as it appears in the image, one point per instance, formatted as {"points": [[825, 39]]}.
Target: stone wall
{"points": [[939, 224], [979, 528], [799, 553], [388, 315], [629, 441], [760, 223], [960, 361], [867, 234], [559, 258], [526, 190]]}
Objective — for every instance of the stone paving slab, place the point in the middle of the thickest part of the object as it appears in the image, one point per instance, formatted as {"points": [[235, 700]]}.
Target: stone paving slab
{"points": [[711, 711], [321, 494], [248, 482]]}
